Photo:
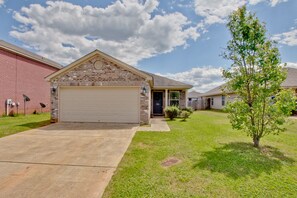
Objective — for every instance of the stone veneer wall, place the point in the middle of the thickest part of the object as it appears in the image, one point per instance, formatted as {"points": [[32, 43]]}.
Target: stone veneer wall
{"points": [[109, 74], [182, 99]]}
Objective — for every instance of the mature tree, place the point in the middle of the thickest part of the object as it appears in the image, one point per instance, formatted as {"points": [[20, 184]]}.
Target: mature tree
{"points": [[255, 76]]}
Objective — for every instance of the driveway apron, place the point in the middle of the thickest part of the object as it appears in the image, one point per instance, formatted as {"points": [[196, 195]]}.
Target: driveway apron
{"points": [[62, 160]]}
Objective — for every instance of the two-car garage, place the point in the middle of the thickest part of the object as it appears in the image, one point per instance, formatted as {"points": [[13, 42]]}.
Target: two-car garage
{"points": [[99, 104]]}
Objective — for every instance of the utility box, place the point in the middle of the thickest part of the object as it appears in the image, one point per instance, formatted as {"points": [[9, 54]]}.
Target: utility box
{"points": [[8, 106], [8, 101]]}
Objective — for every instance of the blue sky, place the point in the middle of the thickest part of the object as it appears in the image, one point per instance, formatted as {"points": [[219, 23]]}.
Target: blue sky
{"points": [[181, 39]]}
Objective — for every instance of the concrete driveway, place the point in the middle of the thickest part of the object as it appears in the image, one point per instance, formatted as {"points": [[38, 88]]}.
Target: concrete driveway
{"points": [[62, 160]]}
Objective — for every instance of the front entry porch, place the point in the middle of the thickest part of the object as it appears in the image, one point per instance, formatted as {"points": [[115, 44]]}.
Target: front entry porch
{"points": [[160, 99], [158, 103]]}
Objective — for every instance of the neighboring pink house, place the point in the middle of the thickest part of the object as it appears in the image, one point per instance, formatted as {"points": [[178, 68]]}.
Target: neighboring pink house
{"points": [[23, 72]]}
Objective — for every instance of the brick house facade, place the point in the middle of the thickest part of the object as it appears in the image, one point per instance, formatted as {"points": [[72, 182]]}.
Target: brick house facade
{"points": [[23, 72]]}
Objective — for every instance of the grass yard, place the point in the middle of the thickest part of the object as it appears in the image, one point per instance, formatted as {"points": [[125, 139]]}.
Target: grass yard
{"points": [[12, 125], [216, 161]]}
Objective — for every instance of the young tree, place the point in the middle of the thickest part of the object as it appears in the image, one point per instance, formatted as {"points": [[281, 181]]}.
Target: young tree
{"points": [[255, 76]]}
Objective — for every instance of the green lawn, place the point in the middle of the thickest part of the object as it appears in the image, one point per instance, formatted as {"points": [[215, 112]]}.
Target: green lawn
{"points": [[12, 125], [216, 161]]}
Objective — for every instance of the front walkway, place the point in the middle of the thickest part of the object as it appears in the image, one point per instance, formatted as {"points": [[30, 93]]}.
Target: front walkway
{"points": [[157, 124]]}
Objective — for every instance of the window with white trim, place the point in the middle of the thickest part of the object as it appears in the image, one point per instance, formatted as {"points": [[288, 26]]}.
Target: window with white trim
{"points": [[174, 98]]}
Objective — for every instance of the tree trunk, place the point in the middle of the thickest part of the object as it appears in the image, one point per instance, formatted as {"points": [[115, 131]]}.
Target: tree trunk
{"points": [[256, 142]]}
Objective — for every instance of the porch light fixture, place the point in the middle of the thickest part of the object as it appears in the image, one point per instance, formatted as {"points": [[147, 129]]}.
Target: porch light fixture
{"points": [[143, 90], [54, 88]]}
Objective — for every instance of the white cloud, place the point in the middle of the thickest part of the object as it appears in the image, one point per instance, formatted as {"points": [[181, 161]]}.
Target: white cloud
{"points": [[202, 78], [271, 2], [1, 2], [292, 65], [275, 2], [254, 2], [126, 29], [217, 11], [287, 38]]}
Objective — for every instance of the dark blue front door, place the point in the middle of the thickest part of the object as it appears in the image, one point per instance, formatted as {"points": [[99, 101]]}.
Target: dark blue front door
{"points": [[158, 103]]}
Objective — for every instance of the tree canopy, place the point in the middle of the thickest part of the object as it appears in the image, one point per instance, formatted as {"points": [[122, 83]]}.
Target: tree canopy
{"points": [[255, 75]]}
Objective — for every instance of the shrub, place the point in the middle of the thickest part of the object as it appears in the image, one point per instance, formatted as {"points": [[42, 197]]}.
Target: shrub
{"points": [[184, 115], [171, 112], [188, 109]]}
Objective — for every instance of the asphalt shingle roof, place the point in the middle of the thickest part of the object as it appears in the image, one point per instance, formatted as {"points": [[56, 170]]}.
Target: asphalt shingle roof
{"points": [[194, 94], [215, 91], [291, 81], [163, 82]]}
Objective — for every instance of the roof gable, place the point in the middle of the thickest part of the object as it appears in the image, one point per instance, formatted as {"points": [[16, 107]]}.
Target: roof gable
{"points": [[103, 55]]}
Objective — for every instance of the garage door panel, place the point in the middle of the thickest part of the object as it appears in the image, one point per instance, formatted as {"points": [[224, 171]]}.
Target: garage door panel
{"points": [[84, 104]]}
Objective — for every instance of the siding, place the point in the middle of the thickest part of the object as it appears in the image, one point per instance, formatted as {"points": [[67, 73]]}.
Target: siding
{"points": [[20, 76], [217, 101]]}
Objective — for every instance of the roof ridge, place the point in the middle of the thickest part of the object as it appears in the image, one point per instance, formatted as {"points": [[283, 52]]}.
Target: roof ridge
{"points": [[26, 53]]}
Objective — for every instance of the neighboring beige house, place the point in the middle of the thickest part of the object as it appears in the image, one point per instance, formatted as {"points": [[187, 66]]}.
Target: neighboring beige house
{"points": [[216, 99], [100, 88]]}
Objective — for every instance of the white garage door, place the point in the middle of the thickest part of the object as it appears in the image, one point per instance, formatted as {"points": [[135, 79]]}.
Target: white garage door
{"points": [[94, 104]]}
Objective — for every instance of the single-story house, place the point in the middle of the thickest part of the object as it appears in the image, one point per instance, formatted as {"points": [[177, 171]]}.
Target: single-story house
{"points": [[101, 88], [23, 72], [217, 98]]}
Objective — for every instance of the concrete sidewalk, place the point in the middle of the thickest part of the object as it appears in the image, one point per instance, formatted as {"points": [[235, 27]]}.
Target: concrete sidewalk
{"points": [[157, 124]]}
